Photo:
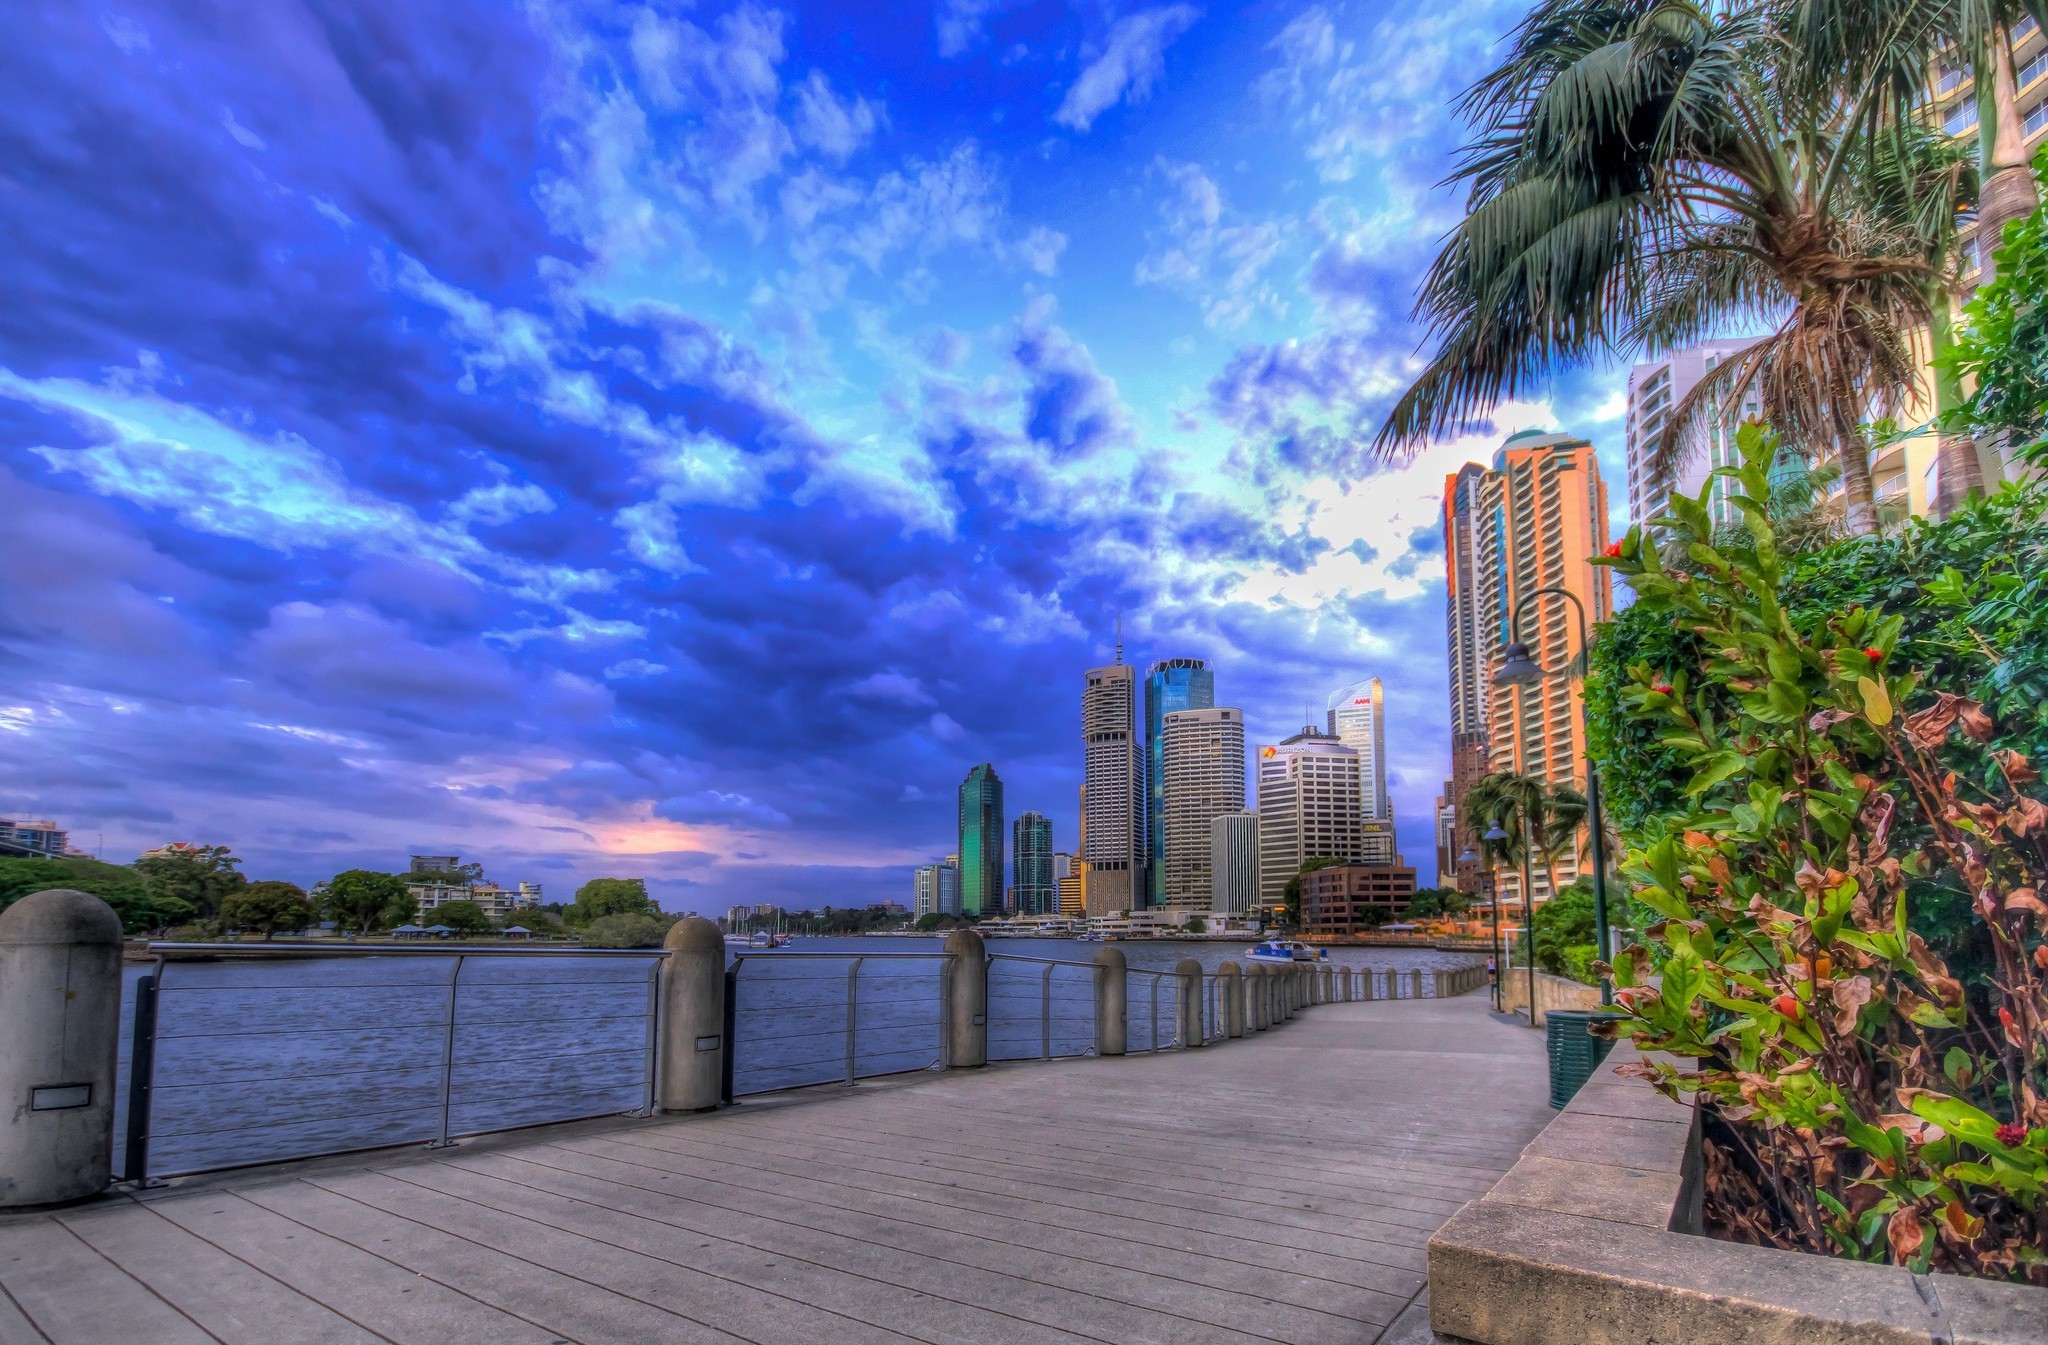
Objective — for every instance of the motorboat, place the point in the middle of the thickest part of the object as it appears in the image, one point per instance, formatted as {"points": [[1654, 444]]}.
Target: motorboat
{"points": [[1284, 950]]}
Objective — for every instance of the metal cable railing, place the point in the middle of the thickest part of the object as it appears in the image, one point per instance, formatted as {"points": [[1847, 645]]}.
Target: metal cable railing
{"points": [[243, 1055], [1039, 1008], [796, 1019]]}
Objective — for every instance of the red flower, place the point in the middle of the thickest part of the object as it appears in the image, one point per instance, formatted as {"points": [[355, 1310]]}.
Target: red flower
{"points": [[1873, 654], [1786, 1005], [1614, 550], [1662, 688], [2012, 1134]]}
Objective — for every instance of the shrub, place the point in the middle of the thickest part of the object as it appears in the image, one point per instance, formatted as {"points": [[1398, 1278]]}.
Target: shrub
{"points": [[265, 908], [627, 931], [1824, 777], [116, 884]]}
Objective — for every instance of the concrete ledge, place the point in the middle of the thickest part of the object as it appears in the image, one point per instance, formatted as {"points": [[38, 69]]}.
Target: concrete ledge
{"points": [[1591, 1239]]}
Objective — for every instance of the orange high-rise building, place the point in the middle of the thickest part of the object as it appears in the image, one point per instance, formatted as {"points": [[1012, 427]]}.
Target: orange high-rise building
{"points": [[1534, 520]]}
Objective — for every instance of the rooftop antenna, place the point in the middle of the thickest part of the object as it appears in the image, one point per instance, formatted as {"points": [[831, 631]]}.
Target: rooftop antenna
{"points": [[1119, 637]]}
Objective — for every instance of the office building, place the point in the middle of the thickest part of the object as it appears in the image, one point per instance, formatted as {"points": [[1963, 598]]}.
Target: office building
{"points": [[1350, 898], [1308, 808], [1446, 816], [1356, 717], [981, 842], [494, 899], [1031, 858], [924, 890], [1462, 637], [1234, 862], [1171, 685], [33, 838], [1201, 779], [1072, 899], [1654, 390], [1468, 764], [433, 863], [1112, 812], [1062, 864], [1541, 518]]}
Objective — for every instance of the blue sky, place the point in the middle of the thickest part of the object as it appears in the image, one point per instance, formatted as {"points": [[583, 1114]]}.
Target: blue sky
{"points": [[682, 440]]}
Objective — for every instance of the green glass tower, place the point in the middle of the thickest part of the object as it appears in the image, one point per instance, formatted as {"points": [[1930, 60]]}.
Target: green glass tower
{"points": [[981, 842]]}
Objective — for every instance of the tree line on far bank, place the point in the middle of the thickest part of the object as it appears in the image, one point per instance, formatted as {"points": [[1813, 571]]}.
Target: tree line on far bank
{"points": [[202, 893]]}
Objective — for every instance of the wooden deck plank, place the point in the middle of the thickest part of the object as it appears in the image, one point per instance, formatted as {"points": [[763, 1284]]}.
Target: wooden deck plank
{"points": [[76, 1296], [396, 1301], [1220, 1266], [1028, 1310], [587, 1289], [230, 1299], [1243, 1309]]}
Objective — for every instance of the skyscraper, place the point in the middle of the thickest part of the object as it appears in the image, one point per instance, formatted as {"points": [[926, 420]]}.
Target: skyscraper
{"points": [[1171, 685], [1654, 389], [1113, 815], [1468, 764], [949, 886], [1463, 637], [1201, 777], [1356, 717], [981, 842], [1542, 518], [925, 890], [1234, 862], [1308, 808], [1031, 856]]}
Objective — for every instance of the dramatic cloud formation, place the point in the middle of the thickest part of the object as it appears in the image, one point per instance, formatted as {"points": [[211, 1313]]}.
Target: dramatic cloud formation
{"points": [[682, 440]]}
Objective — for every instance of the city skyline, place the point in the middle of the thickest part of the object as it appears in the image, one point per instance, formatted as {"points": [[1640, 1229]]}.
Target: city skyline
{"points": [[679, 443]]}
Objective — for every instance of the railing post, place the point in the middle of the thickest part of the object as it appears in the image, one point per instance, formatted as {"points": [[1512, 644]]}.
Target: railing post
{"points": [[967, 1019], [695, 1030], [142, 1076], [1190, 1002], [60, 1001], [1045, 1012], [1326, 983], [448, 1056], [1416, 981], [852, 1016], [1112, 1001], [1230, 990]]}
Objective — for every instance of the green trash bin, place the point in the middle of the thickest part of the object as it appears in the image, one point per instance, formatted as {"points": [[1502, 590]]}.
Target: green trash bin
{"points": [[1574, 1052]]}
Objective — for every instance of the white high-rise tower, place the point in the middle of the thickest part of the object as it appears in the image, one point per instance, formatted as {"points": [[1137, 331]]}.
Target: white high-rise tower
{"points": [[1357, 719], [1113, 792], [1202, 770]]}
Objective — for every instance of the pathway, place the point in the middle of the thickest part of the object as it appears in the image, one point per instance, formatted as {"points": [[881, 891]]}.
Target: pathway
{"points": [[1276, 1189]]}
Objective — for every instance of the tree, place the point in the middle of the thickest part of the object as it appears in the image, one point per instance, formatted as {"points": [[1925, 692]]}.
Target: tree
{"points": [[1564, 924], [200, 877], [363, 900], [1541, 819], [626, 931], [2003, 344], [1293, 889], [535, 920], [118, 885], [466, 918], [1434, 901], [601, 897], [266, 907], [1646, 173], [1195, 925]]}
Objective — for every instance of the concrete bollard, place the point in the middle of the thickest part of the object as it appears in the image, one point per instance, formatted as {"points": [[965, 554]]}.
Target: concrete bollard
{"points": [[1255, 998], [60, 1001], [1416, 983], [1289, 990], [1189, 1002], [1112, 996], [1328, 982], [1230, 994], [1347, 985], [967, 1001], [693, 1043]]}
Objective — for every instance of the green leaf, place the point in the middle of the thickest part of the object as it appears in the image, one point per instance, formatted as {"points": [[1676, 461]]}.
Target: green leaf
{"points": [[1877, 703], [1719, 767]]}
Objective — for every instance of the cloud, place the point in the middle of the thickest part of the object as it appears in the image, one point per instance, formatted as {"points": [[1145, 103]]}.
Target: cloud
{"points": [[1069, 407], [1220, 266], [832, 127], [1133, 58], [1041, 249]]}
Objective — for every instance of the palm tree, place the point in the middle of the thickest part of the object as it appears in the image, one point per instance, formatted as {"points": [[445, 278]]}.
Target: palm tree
{"points": [[1647, 173], [1903, 45], [1541, 819]]}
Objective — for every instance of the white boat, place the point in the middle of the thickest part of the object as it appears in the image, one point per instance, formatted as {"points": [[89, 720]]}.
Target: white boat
{"points": [[1284, 950]]}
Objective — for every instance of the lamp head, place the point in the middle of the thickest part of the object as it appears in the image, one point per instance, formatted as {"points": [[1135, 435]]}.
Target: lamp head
{"points": [[1496, 832], [1470, 856], [1518, 667]]}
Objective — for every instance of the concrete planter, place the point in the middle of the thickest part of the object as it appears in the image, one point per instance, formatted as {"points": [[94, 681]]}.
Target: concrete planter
{"points": [[1592, 1238]]}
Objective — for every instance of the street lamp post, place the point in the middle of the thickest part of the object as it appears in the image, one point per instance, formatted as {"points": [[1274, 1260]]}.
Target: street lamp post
{"points": [[1499, 833], [1519, 669]]}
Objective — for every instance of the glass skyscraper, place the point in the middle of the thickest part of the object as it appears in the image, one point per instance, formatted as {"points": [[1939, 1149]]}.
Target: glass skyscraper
{"points": [[981, 842], [1172, 684], [1031, 854]]}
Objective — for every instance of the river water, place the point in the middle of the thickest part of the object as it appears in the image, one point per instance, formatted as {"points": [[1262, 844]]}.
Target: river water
{"points": [[261, 1059]]}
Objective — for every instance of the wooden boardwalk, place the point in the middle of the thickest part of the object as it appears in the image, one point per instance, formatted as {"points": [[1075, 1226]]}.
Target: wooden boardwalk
{"points": [[1276, 1189]]}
